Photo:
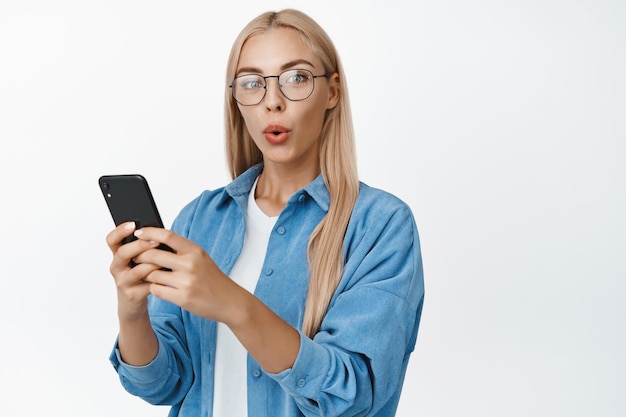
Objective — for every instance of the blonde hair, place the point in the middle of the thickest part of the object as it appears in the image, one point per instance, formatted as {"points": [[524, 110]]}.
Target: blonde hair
{"points": [[337, 159]]}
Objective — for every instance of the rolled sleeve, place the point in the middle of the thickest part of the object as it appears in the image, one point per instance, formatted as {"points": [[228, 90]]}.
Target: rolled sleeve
{"points": [[316, 382], [167, 378], [306, 377], [142, 377]]}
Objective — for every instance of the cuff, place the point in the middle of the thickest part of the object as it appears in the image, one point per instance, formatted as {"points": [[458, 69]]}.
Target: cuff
{"points": [[307, 376], [141, 375]]}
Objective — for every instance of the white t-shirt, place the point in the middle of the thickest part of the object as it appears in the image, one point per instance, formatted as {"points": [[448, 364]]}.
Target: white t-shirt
{"points": [[230, 397]]}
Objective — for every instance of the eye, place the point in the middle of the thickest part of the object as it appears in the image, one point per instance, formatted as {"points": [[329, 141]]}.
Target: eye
{"points": [[296, 77], [250, 82]]}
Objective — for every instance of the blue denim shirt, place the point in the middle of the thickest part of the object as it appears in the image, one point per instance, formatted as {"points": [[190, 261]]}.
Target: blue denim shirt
{"points": [[354, 366]]}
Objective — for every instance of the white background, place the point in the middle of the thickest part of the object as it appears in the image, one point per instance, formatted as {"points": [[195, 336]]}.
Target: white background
{"points": [[502, 124]]}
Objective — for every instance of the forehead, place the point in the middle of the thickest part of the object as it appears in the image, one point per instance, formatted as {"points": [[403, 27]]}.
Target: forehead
{"points": [[274, 50]]}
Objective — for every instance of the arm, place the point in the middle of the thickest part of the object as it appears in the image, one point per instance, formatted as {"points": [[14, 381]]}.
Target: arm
{"points": [[197, 285], [356, 364], [346, 369], [138, 357]]}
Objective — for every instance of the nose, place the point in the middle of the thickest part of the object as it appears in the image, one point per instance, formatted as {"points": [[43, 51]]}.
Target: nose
{"points": [[274, 99]]}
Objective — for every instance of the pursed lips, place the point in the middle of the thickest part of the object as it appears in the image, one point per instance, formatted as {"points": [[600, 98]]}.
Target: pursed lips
{"points": [[276, 134]]}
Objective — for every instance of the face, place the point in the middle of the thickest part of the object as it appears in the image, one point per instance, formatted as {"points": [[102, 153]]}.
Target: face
{"points": [[286, 132]]}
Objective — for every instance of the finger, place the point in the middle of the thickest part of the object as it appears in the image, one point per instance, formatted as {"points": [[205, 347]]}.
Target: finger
{"points": [[163, 285], [158, 256], [163, 278], [136, 292], [133, 276], [115, 237], [164, 292], [142, 271], [127, 252], [161, 235]]}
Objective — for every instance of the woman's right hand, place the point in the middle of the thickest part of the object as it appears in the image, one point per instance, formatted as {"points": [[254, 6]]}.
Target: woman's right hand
{"points": [[137, 342], [132, 291]]}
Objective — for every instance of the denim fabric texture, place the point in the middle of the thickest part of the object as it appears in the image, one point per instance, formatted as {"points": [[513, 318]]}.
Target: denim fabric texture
{"points": [[354, 366]]}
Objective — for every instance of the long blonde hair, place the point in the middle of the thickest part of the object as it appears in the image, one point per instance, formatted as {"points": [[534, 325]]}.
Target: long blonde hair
{"points": [[337, 159]]}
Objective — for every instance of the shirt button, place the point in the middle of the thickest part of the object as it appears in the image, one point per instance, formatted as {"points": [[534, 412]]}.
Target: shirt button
{"points": [[301, 198], [256, 373], [301, 383], [280, 230], [269, 271]]}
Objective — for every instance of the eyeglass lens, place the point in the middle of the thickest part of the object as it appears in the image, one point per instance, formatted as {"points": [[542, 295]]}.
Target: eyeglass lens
{"points": [[296, 85]]}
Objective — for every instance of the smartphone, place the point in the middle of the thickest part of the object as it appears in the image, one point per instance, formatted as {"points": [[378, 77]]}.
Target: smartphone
{"points": [[129, 198]]}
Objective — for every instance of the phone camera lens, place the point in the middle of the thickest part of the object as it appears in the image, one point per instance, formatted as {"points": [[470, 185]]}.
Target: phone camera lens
{"points": [[105, 186]]}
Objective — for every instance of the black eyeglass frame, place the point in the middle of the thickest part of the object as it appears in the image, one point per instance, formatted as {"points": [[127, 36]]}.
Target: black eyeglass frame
{"points": [[313, 77]]}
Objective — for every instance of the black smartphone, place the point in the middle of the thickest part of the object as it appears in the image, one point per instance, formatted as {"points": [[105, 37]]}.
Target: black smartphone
{"points": [[129, 199]]}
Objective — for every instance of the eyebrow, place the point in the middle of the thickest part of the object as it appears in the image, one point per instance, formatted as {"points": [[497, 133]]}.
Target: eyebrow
{"points": [[283, 67]]}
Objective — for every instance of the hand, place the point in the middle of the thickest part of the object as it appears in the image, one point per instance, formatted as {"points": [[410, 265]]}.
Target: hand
{"points": [[132, 290], [194, 282]]}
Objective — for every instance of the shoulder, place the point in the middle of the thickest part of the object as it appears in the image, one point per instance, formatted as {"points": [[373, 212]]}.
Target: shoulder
{"points": [[380, 218], [369, 194], [374, 206]]}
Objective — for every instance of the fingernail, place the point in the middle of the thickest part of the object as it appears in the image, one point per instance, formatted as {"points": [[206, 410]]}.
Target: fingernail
{"points": [[129, 226], [138, 232]]}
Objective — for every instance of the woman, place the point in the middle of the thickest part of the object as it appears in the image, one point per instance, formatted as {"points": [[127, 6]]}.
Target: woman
{"points": [[295, 290]]}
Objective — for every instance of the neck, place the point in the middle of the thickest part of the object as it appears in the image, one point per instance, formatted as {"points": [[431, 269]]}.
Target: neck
{"points": [[276, 186]]}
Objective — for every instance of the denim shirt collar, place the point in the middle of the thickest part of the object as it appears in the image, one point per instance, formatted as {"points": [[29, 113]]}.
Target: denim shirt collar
{"points": [[241, 186]]}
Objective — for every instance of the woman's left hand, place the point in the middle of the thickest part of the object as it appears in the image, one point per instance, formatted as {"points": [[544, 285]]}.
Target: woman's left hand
{"points": [[194, 282]]}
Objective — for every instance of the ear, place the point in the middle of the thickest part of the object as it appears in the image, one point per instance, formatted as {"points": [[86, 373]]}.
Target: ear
{"points": [[334, 91]]}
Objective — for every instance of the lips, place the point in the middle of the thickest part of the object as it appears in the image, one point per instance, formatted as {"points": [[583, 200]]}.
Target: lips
{"points": [[276, 134]]}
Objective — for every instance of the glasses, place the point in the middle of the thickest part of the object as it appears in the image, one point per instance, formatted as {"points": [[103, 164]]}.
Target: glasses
{"points": [[294, 84]]}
